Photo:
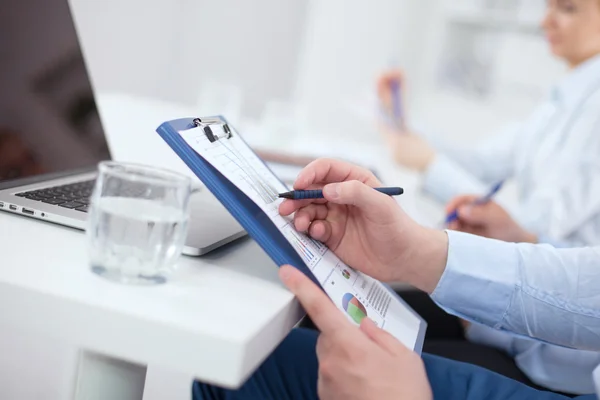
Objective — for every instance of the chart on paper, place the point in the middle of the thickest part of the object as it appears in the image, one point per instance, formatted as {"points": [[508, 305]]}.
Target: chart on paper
{"points": [[310, 250]]}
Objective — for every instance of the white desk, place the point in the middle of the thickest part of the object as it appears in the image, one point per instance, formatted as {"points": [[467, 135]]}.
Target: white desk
{"points": [[218, 318]]}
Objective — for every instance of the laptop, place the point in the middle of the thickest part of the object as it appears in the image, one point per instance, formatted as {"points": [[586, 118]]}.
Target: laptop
{"points": [[51, 134]]}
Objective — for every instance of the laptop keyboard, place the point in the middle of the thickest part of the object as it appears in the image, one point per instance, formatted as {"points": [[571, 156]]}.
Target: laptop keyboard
{"points": [[75, 196]]}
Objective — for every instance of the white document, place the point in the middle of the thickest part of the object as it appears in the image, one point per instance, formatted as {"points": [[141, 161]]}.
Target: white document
{"points": [[356, 294]]}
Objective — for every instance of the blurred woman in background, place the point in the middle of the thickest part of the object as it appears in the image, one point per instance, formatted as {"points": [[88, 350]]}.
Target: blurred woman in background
{"points": [[554, 159]]}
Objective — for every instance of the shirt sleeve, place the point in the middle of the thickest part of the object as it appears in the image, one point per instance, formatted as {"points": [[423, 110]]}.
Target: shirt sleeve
{"points": [[456, 171], [537, 291]]}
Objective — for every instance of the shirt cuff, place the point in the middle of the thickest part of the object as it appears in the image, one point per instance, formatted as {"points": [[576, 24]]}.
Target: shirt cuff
{"points": [[445, 179], [479, 280]]}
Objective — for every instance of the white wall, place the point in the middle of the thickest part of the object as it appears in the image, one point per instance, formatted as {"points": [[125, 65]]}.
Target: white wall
{"points": [[347, 44], [523, 71], [129, 45], [251, 44], [168, 48], [319, 54]]}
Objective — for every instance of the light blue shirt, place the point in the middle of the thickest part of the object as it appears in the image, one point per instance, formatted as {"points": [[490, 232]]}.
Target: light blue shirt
{"points": [[554, 367], [537, 291], [554, 158]]}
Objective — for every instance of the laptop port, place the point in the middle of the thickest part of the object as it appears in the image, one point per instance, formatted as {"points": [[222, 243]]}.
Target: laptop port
{"points": [[1, 204], [28, 212], [13, 207]]}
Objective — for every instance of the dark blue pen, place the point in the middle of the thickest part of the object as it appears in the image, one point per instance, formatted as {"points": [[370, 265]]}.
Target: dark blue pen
{"points": [[396, 103], [453, 216], [318, 194]]}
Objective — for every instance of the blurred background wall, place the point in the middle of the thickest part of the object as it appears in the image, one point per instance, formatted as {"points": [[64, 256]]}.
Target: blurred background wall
{"points": [[469, 64]]}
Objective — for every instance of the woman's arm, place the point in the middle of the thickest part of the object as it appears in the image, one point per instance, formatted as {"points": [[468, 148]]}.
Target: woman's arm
{"points": [[455, 171]]}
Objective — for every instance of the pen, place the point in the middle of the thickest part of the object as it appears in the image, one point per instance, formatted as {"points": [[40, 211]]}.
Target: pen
{"points": [[318, 194], [396, 103], [453, 216]]}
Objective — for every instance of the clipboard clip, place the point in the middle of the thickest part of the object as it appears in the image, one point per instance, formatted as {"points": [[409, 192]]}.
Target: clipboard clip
{"points": [[206, 123], [216, 130]]}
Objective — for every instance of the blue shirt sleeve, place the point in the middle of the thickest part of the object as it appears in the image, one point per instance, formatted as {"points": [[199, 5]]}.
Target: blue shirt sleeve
{"points": [[537, 291]]}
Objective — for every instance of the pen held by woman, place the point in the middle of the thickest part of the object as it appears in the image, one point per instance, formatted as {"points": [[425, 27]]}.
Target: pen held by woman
{"points": [[390, 88], [453, 216]]}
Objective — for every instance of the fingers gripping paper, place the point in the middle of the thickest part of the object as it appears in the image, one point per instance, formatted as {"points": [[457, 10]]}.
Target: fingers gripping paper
{"points": [[354, 293]]}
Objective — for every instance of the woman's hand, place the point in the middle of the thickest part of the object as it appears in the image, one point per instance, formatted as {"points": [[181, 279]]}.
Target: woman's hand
{"points": [[489, 220], [408, 149], [387, 83]]}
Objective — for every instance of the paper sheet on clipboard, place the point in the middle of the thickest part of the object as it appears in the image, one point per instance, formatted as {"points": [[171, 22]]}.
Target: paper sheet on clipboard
{"points": [[356, 294]]}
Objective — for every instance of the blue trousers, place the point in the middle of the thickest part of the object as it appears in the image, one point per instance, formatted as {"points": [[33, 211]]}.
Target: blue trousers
{"points": [[291, 373]]}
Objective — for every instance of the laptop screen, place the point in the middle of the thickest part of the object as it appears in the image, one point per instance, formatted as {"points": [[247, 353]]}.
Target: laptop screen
{"points": [[48, 117]]}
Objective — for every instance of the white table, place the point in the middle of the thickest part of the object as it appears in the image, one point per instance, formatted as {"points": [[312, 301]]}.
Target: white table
{"points": [[218, 318]]}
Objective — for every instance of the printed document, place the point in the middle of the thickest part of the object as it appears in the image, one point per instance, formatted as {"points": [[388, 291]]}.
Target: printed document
{"points": [[354, 293]]}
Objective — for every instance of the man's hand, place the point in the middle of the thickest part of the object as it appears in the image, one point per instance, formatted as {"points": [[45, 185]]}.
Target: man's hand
{"points": [[489, 220], [357, 363], [366, 229]]}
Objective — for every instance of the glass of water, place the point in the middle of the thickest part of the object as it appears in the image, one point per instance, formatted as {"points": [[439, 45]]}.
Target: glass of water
{"points": [[137, 222]]}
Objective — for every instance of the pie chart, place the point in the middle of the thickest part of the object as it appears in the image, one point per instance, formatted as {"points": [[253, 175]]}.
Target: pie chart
{"points": [[354, 308]]}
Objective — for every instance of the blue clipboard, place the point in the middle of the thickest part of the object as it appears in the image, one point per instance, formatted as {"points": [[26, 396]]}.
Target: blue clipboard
{"points": [[243, 209]]}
